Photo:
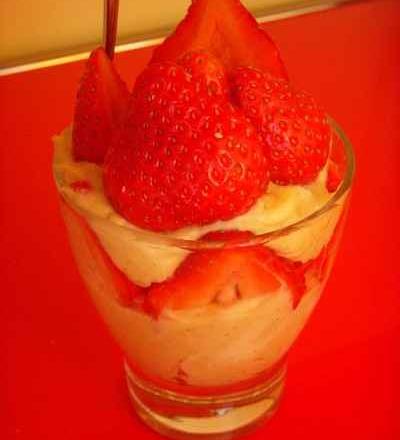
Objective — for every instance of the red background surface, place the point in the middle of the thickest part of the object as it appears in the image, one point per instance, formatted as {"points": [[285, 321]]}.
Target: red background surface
{"points": [[62, 373]]}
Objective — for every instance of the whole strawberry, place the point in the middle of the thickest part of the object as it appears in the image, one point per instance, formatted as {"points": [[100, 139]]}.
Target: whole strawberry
{"points": [[294, 129], [186, 155]]}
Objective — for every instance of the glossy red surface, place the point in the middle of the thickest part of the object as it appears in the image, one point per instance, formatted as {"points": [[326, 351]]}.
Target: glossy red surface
{"points": [[61, 373]]}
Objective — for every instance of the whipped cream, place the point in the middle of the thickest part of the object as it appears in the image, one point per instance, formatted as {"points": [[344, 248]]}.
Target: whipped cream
{"points": [[146, 260]]}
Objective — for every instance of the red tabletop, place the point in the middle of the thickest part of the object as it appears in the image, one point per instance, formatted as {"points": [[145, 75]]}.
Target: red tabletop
{"points": [[61, 372]]}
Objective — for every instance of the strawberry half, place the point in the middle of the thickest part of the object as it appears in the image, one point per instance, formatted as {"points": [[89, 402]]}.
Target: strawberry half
{"points": [[96, 267], [227, 30], [294, 128], [221, 276], [101, 104], [337, 164], [224, 276], [185, 156], [293, 272]]}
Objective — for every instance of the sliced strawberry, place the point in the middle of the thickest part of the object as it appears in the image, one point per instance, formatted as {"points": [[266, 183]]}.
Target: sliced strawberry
{"points": [[101, 104], [295, 130], [186, 156], [229, 237], [226, 29], [221, 276], [337, 164], [322, 265], [234, 272], [95, 264], [319, 265], [293, 272]]}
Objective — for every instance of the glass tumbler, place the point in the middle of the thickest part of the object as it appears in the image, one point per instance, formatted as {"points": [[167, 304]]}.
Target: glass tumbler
{"points": [[208, 359]]}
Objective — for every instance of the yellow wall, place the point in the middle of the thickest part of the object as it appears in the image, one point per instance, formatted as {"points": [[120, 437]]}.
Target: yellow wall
{"points": [[35, 28]]}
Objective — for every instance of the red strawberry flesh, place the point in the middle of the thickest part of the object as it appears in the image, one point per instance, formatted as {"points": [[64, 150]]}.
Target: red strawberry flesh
{"points": [[222, 276], [100, 107], [227, 275], [227, 30], [89, 248], [337, 164]]}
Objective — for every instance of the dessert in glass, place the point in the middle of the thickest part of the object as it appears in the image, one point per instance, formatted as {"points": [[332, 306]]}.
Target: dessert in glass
{"points": [[204, 210]]}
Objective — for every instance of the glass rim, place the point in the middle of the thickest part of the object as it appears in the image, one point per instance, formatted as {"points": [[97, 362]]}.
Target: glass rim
{"points": [[162, 238]]}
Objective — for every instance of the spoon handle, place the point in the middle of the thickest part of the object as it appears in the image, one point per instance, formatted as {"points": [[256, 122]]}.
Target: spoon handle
{"points": [[110, 25]]}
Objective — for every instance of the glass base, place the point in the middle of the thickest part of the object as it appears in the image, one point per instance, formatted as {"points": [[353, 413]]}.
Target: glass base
{"points": [[220, 417]]}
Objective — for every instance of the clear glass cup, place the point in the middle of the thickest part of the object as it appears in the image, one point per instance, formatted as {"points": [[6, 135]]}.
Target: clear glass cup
{"points": [[216, 368]]}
